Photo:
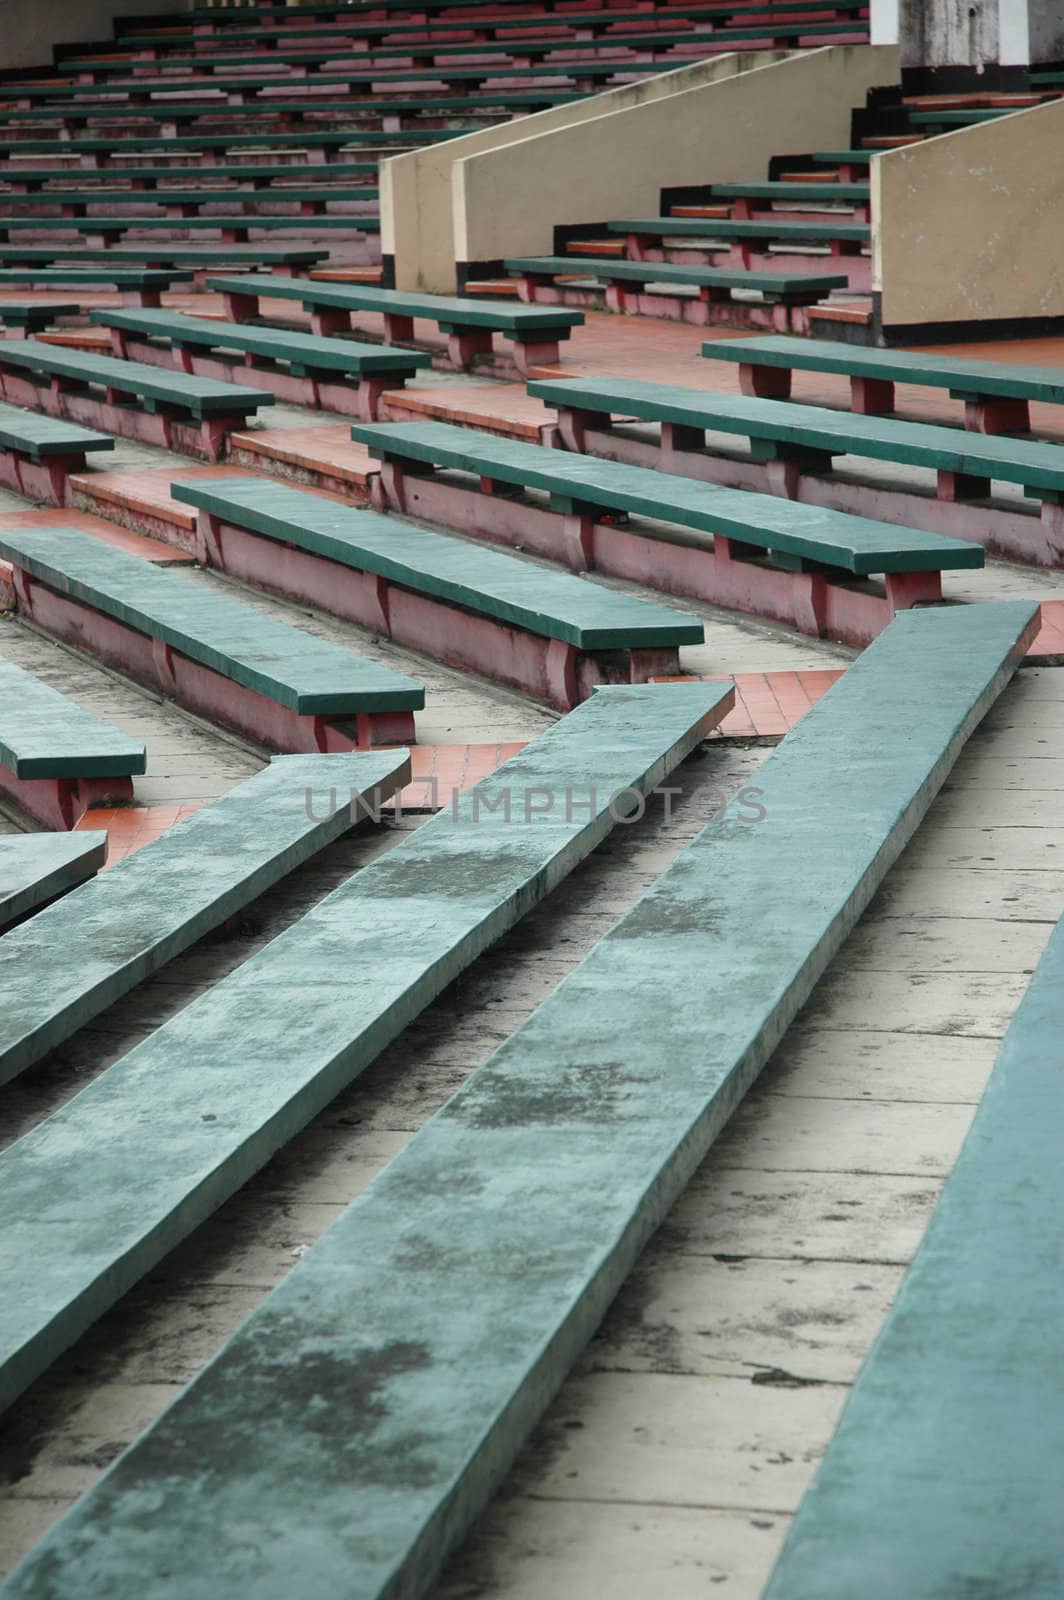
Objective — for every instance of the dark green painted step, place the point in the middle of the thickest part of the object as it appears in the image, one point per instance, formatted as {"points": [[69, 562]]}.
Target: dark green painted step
{"points": [[45, 735], [99, 1192], [300, 350], [855, 544], [959, 373], [196, 397], [344, 1439], [38, 867], [1031, 462], [153, 904], [556, 605], [446, 311], [944, 1475], [299, 671], [33, 434], [963, 118], [791, 191], [773, 285], [712, 228]]}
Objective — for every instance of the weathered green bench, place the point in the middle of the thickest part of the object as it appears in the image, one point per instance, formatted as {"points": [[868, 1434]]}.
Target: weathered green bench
{"points": [[38, 453], [148, 177], [650, 286], [169, 113], [336, 374], [469, 324], [201, 259], [175, 410], [461, 1286], [56, 759], [314, 138], [189, 202], [232, 229], [36, 868], [138, 286], [799, 564], [780, 191], [964, 117], [842, 238], [548, 633], [280, 1037], [996, 394], [171, 892], [283, 687], [33, 316], [943, 1477], [792, 451]]}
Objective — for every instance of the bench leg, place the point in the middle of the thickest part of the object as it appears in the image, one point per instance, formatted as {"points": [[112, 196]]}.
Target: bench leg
{"points": [[532, 353], [679, 436], [997, 416], [1052, 520], [242, 307], [562, 673], [766, 383], [872, 397], [465, 344], [574, 426], [647, 664], [962, 486], [906, 589], [578, 542], [328, 321], [369, 392], [397, 329], [213, 435]]}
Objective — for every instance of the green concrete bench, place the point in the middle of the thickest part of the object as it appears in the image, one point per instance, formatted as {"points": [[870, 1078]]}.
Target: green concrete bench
{"points": [[201, 259], [549, 633], [336, 374], [280, 1037], [233, 229], [36, 868], [174, 410], [163, 898], [997, 394], [323, 139], [943, 1476], [793, 450], [843, 158], [57, 759], [962, 118], [138, 286], [282, 687], [187, 202], [172, 112], [782, 191], [841, 236], [33, 316], [469, 324], [148, 177], [461, 1286], [800, 564], [38, 453], [649, 286]]}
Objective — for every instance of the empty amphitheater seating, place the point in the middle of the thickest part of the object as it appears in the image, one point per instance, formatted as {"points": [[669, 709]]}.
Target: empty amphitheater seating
{"points": [[797, 564], [545, 632], [56, 759], [279, 685], [38, 453], [463, 1284], [36, 868], [442, 896]]}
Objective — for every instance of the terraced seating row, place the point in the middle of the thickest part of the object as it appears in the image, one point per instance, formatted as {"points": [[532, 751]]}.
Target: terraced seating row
{"points": [[201, 259], [798, 564], [313, 141], [784, 296], [440, 897], [141, 286], [57, 759], [147, 177], [175, 411], [169, 114], [545, 632], [36, 868], [469, 324], [952, 1430], [997, 395], [561, 1177], [153, 906], [38, 453], [232, 229], [277, 684], [792, 452], [311, 202], [337, 374]]}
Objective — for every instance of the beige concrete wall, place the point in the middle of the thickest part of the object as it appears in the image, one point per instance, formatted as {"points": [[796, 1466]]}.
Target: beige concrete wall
{"points": [[416, 204], [507, 201], [967, 226], [31, 27]]}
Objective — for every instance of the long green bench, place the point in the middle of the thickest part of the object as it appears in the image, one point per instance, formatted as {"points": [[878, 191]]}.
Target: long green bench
{"points": [[548, 633], [796, 563], [844, 158], [172, 112], [966, 117], [830, 193], [174, 410], [38, 453], [337, 374], [34, 316], [56, 759], [278, 1038], [469, 324], [211, 652], [104, 151], [138, 286], [653, 285], [186, 202], [944, 1473], [380, 1394], [199, 258], [233, 229], [36, 868], [149, 177], [845, 235], [792, 451], [997, 395], [161, 899]]}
